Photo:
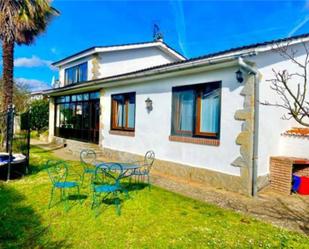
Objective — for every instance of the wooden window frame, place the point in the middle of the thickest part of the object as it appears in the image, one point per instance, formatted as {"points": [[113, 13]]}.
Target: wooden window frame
{"points": [[197, 127], [198, 91], [114, 112]]}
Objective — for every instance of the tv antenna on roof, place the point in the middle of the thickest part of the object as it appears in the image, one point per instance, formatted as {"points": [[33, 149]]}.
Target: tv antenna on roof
{"points": [[157, 34]]}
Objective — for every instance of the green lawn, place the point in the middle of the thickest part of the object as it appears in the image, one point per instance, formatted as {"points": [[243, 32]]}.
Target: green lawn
{"points": [[149, 219]]}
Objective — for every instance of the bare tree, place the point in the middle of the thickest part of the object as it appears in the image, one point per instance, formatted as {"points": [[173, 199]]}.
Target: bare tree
{"points": [[291, 87]]}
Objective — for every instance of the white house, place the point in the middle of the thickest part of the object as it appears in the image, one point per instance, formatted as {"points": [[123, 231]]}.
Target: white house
{"points": [[203, 123]]}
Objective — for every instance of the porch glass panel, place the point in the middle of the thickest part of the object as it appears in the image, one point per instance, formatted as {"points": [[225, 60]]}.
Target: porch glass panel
{"points": [[78, 118]]}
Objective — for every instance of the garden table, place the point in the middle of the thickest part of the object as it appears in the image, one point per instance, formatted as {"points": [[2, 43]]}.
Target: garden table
{"points": [[126, 167]]}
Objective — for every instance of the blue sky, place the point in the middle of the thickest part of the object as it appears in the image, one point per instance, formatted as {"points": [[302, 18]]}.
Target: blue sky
{"points": [[191, 27]]}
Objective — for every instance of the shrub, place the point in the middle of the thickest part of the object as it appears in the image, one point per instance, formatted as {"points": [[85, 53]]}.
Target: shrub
{"points": [[39, 115]]}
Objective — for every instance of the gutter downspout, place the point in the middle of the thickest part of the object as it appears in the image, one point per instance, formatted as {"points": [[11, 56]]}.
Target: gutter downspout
{"points": [[255, 131]]}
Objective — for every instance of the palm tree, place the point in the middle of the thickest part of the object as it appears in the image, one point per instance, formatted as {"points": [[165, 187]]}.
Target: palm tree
{"points": [[20, 21]]}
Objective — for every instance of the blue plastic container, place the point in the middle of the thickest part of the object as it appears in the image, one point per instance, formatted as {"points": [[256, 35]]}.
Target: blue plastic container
{"points": [[296, 183]]}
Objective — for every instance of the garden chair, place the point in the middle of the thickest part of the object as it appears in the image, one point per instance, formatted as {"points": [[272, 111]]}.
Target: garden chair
{"points": [[106, 180], [88, 160], [145, 167], [58, 172]]}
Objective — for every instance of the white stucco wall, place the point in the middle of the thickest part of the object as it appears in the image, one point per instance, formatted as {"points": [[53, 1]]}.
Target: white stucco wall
{"points": [[294, 146], [271, 124], [119, 62], [152, 129], [123, 61]]}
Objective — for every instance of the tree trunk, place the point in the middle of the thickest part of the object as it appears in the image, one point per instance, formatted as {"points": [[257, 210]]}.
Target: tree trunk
{"points": [[8, 67]]}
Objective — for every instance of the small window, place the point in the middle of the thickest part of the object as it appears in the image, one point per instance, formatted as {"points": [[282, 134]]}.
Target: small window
{"points": [[196, 110], [76, 74], [86, 96], [62, 99], [123, 112], [95, 95], [79, 97]]}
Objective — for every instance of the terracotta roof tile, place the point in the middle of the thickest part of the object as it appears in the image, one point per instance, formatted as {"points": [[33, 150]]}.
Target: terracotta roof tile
{"points": [[297, 131]]}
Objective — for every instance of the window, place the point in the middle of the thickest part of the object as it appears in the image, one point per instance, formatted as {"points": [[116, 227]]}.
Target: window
{"points": [[123, 112], [196, 110], [76, 74], [77, 116]]}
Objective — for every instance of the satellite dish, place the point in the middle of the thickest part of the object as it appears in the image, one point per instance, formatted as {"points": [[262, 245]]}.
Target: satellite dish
{"points": [[53, 81]]}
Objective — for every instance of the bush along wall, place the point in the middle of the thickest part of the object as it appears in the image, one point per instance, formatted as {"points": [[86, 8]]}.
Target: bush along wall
{"points": [[39, 115]]}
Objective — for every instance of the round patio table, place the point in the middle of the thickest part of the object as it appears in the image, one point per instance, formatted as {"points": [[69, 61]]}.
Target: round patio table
{"points": [[126, 167]]}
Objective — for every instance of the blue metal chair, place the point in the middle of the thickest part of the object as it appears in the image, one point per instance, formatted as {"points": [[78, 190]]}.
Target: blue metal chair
{"points": [[88, 160], [106, 180], [145, 167], [58, 172]]}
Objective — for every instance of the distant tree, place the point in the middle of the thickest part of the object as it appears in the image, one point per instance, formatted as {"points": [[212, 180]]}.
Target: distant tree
{"points": [[21, 99], [292, 86], [20, 22], [21, 96], [39, 114]]}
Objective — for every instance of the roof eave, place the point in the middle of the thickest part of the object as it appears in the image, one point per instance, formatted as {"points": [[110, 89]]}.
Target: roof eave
{"points": [[172, 52], [94, 50], [135, 77]]}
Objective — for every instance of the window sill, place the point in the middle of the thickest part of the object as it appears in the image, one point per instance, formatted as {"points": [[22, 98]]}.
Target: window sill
{"points": [[122, 133], [195, 140]]}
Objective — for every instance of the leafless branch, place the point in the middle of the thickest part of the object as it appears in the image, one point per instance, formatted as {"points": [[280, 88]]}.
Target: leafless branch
{"points": [[291, 88]]}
